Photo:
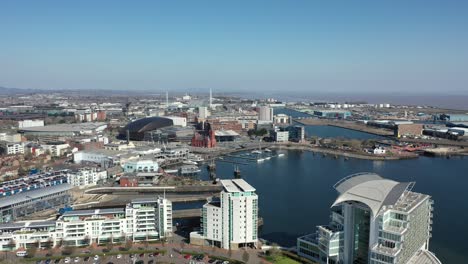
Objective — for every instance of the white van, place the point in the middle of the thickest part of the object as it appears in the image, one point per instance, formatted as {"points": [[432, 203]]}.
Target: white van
{"points": [[21, 253]]}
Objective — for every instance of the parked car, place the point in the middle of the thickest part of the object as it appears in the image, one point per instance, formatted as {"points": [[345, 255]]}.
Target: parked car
{"points": [[67, 260], [96, 257], [119, 256], [77, 259]]}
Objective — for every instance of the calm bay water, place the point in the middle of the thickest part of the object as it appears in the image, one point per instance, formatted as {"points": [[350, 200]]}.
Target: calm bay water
{"points": [[296, 191], [296, 194]]}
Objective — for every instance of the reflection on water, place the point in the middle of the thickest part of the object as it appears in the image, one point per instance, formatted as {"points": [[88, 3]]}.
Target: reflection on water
{"points": [[296, 193]]}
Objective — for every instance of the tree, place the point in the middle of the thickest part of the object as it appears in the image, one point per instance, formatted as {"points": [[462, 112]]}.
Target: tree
{"points": [[22, 171], [49, 243], [273, 251], [32, 249], [109, 245], [182, 244], [67, 251], [59, 243], [86, 240], [128, 244], [261, 132], [245, 256]]}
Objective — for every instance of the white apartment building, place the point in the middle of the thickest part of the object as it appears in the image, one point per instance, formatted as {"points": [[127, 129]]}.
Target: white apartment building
{"points": [[149, 218], [143, 219], [55, 149], [86, 177], [12, 148], [30, 123], [27, 234], [230, 222], [374, 220], [141, 166]]}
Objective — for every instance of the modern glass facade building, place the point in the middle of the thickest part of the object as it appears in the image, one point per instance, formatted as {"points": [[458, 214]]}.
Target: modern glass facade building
{"points": [[374, 220]]}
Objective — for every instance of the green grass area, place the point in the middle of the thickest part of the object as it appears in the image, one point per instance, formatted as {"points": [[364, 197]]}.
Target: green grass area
{"points": [[284, 260]]}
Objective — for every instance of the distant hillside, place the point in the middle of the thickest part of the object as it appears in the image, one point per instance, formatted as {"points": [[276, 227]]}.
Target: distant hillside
{"points": [[13, 91]]}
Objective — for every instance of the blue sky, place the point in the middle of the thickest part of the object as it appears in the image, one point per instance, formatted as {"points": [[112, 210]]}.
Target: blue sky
{"points": [[295, 45]]}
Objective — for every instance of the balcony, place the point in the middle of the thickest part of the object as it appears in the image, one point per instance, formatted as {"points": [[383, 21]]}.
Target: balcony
{"points": [[380, 249]]}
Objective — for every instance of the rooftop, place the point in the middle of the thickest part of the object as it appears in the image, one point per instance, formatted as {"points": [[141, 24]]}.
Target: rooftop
{"points": [[371, 190], [237, 185], [19, 225], [95, 212], [226, 133], [66, 127], [31, 195], [424, 257]]}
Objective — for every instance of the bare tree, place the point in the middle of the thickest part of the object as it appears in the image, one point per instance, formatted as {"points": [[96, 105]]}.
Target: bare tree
{"points": [[245, 256]]}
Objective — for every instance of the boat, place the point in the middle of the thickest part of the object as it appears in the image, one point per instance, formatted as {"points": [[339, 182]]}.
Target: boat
{"points": [[260, 160], [189, 162], [256, 152], [267, 158], [267, 150], [281, 155]]}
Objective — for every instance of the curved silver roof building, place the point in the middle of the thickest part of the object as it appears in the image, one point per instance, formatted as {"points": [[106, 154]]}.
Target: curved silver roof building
{"points": [[371, 190], [374, 220]]}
